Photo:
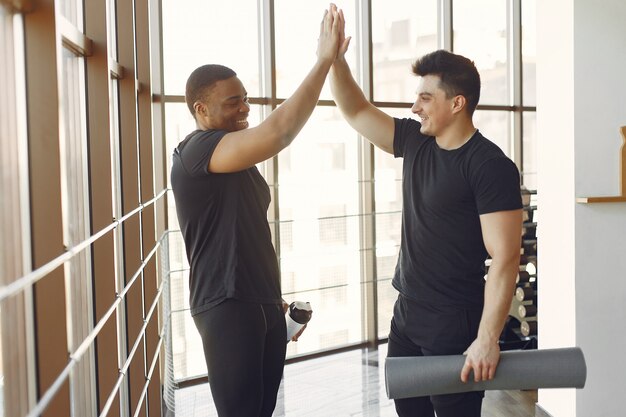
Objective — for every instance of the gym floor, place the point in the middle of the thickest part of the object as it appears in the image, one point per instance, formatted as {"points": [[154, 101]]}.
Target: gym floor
{"points": [[344, 384]]}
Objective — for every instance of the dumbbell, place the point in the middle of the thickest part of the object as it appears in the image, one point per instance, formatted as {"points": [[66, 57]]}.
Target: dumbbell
{"points": [[527, 310], [525, 293], [529, 327], [525, 196], [523, 277], [529, 246]]}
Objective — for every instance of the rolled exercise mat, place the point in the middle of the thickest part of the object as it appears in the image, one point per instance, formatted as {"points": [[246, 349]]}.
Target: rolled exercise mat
{"points": [[419, 376]]}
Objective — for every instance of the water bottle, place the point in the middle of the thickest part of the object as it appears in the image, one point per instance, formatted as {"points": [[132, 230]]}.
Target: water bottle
{"points": [[297, 316]]}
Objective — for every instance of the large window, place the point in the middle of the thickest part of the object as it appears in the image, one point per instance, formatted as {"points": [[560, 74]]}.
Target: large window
{"points": [[529, 52], [318, 215], [485, 44], [495, 126], [297, 28], [199, 32], [529, 96], [388, 209], [402, 30], [319, 199], [81, 214]]}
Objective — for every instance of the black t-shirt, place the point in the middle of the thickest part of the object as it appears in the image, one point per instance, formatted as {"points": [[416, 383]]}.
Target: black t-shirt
{"points": [[223, 220], [442, 253]]}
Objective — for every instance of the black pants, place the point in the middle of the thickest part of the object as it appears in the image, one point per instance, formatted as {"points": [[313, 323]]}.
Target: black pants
{"points": [[244, 347], [421, 330]]}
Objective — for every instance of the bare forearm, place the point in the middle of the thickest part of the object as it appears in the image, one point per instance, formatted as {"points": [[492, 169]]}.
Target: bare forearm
{"points": [[498, 295], [373, 124], [501, 234], [347, 93], [285, 123], [287, 120]]}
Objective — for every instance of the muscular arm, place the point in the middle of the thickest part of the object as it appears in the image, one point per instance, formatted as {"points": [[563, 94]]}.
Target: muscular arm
{"points": [[363, 116], [242, 149], [501, 234]]}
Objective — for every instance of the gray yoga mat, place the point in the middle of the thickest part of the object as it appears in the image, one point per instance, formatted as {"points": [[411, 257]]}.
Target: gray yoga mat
{"points": [[526, 369]]}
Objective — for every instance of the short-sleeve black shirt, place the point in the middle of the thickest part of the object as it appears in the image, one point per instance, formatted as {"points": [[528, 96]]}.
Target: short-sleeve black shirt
{"points": [[223, 220], [442, 253]]}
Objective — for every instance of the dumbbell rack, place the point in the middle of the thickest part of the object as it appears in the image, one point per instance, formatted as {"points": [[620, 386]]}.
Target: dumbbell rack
{"points": [[520, 330]]}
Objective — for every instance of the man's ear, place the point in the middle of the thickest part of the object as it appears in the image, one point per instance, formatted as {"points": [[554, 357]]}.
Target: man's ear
{"points": [[458, 104], [199, 108]]}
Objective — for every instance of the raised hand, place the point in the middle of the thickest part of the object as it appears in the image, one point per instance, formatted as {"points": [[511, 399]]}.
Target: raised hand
{"points": [[330, 29], [343, 41]]}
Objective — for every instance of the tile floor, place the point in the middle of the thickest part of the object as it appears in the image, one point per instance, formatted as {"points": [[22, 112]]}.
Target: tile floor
{"points": [[347, 384]]}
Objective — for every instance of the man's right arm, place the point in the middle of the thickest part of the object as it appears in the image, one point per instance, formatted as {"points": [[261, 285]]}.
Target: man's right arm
{"points": [[244, 148], [375, 125]]}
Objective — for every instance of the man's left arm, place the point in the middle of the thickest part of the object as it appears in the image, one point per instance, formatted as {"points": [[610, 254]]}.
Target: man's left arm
{"points": [[502, 232]]}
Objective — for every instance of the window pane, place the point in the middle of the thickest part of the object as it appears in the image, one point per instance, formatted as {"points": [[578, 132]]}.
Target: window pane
{"points": [[494, 125], [199, 32], [398, 39], [529, 169], [388, 207], [116, 162], [75, 147], [529, 52], [387, 296], [75, 199], [485, 44], [336, 318], [297, 30], [187, 352], [320, 240], [112, 29], [72, 11]]}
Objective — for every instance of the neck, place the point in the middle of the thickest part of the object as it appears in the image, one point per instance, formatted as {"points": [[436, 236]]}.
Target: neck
{"points": [[456, 136]]}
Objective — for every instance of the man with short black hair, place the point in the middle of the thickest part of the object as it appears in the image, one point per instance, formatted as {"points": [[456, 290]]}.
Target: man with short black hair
{"points": [[461, 202], [221, 202]]}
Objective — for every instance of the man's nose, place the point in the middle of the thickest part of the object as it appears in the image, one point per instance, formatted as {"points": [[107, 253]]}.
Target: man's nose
{"points": [[244, 107]]}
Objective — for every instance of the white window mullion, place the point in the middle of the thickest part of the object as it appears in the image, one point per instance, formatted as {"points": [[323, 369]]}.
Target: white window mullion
{"points": [[16, 313], [514, 25], [75, 190]]}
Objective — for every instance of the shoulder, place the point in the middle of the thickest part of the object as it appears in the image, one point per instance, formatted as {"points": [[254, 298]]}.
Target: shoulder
{"points": [[406, 126], [486, 160], [194, 152], [201, 139], [485, 148], [494, 178], [484, 154]]}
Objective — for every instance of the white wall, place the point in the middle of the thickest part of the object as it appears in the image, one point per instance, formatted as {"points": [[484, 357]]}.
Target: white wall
{"points": [[600, 108], [556, 188], [581, 103]]}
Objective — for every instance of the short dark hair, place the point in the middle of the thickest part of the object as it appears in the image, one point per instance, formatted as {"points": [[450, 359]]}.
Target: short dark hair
{"points": [[202, 79], [458, 75]]}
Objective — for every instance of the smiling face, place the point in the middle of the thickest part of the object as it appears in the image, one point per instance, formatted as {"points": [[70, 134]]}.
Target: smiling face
{"points": [[225, 107], [433, 107]]}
